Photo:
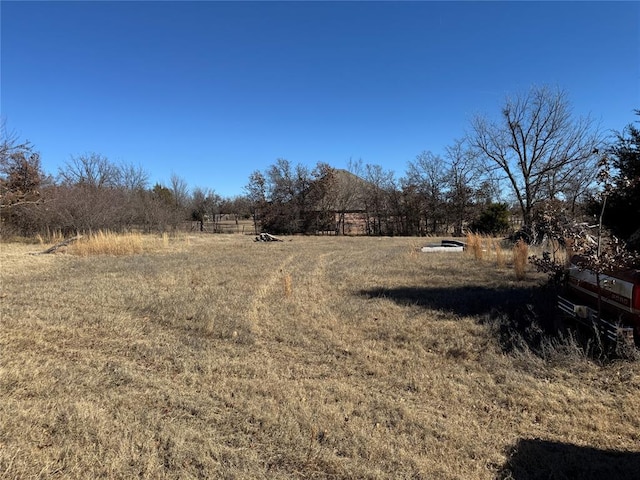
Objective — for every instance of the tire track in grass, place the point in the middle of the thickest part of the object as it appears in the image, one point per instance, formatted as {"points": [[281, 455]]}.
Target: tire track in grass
{"points": [[259, 306], [316, 279], [299, 280]]}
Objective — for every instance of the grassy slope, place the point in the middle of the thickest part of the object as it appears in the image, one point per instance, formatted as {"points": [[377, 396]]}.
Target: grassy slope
{"points": [[311, 358]]}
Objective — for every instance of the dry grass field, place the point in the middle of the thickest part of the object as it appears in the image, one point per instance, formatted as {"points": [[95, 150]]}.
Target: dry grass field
{"points": [[318, 357]]}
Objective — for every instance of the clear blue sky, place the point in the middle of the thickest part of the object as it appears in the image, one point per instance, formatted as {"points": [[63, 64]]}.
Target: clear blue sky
{"points": [[213, 91]]}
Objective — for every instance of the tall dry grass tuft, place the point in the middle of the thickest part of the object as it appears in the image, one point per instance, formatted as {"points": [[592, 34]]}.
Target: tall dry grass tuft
{"points": [[500, 256], [108, 243], [413, 251], [50, 237], [165, 240], [520, 255], [470, 242], [474, 245], [286, 284]]}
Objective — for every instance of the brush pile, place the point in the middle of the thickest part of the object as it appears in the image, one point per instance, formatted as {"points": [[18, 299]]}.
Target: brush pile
{"points": [[266, 237]]}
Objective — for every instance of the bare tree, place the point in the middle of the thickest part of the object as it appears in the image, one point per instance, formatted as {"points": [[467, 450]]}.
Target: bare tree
{"points": [[90, 170], [580, 188], [9, 143], [256, 191], [427, 174], [462, 178], [205, 205], [536, 144], [179, 190], [133, 177], [380, 183]]}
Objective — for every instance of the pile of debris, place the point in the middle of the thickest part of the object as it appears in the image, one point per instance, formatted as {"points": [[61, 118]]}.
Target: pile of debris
{"points": [[266, 237], [58, 246]]}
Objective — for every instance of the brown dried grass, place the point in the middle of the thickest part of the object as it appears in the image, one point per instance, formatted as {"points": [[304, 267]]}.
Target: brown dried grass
{"points": [[500, 255], [189, 361], [287, 285], [475, 245], [520, 259], [107, 243]]}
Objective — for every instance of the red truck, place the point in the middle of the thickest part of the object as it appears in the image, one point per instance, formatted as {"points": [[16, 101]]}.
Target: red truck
{"points": [[618, 296]]}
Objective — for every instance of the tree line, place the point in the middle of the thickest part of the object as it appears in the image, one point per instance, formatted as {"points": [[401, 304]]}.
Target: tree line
{"points": [[533, 153], [533, 158], [90, 192]]}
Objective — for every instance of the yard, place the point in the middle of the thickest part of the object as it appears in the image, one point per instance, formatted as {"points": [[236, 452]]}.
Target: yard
{"points": [[213, 356]]}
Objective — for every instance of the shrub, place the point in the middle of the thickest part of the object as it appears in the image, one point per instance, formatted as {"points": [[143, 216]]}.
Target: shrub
{"points": [[494, 220]]}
